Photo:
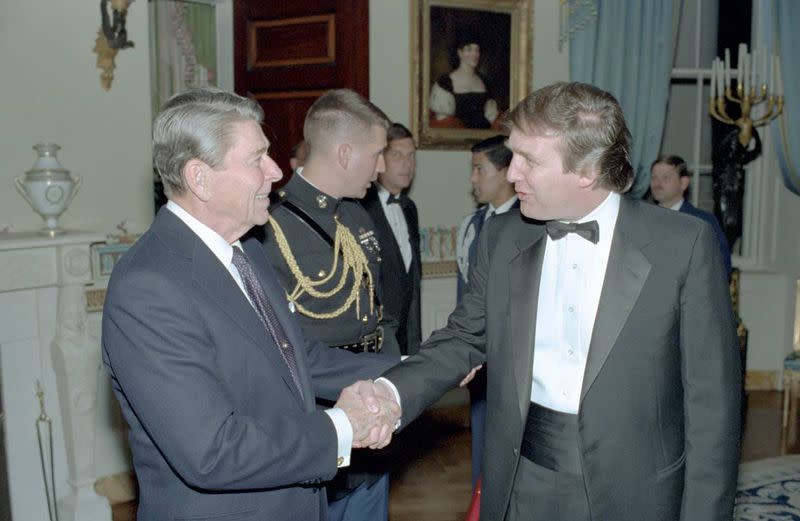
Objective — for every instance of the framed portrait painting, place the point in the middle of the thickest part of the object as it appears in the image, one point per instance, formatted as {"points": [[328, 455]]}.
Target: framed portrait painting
{"points": [[470, 63]]}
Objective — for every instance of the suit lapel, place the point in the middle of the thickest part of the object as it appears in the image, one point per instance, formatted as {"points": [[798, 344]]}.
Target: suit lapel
{"points": [[412, 222], [523, 277], [216, 281], [390, 250], [626, 274]]}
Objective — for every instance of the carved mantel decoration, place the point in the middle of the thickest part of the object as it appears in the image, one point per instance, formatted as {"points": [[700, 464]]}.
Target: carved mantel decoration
{"points": [[111, 37]]}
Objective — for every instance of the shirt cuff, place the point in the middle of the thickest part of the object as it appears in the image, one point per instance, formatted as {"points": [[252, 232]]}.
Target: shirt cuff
{"points": [[394, 390], [344, 436]]}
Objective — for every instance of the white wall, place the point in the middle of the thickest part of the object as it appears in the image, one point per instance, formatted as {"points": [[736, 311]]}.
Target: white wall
{"points": [[441, 189], [768, 284], [51, 92]]}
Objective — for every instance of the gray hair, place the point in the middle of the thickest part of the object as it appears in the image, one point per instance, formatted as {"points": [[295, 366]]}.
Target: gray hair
{"points": [[197, 125], [341, 112], [591, 125]]}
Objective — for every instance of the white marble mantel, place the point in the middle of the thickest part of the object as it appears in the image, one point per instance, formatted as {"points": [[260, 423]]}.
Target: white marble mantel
{"points": [[47, 335]]}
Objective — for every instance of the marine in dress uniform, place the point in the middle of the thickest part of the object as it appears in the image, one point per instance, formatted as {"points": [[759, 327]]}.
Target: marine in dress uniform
{"points": [[324, 248]]}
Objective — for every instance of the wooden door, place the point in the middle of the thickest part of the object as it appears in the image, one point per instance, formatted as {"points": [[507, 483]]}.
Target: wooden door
{"points": [[287, 53]]}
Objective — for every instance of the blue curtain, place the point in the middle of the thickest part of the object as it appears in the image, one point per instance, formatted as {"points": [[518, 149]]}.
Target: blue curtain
{"points": [[780, 27], [627, 50]]}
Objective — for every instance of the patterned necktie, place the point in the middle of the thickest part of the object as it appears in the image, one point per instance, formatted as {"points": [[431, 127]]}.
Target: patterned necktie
{"points": [[266, 313], [589, 230]]}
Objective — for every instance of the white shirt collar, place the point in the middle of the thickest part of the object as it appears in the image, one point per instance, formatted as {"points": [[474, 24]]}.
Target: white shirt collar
{"points": [[218, 246], [383, 193], [605, 213], [677, 206], [503, 208]]}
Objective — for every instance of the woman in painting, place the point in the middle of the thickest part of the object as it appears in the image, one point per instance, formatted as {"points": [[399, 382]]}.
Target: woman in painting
{"points": [[460, 99]]}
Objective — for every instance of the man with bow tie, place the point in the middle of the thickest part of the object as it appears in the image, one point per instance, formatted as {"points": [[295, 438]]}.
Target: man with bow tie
{"points": [[397, 227], [607, 331]]}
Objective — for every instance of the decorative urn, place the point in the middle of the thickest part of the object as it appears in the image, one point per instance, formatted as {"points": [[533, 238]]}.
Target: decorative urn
{"points": [[48, 187]]}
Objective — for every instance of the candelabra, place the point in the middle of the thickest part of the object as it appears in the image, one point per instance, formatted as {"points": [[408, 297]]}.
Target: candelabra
{"points": [[752, 88]]}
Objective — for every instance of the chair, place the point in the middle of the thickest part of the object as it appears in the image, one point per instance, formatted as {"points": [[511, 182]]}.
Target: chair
{"points": [[791, 382], [791, 391]]}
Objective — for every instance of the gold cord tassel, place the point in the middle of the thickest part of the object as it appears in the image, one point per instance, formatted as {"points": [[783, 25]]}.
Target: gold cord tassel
{"points": [[353, 260]]}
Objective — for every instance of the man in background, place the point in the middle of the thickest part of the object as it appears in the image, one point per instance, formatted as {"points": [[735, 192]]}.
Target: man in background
{"points": [[491, 189], [669, 180], [325, 250], [494, 194], [297, 155], [397, 225]]}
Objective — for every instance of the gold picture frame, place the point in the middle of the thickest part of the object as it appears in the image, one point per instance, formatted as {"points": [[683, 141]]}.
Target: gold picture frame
{"points": [[502, 29]]}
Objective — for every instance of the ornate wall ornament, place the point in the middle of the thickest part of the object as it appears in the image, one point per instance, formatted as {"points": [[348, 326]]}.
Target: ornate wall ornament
{"points": [[111, 37]]}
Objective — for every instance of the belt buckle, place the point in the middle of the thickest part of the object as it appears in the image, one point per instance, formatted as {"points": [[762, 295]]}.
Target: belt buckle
{"points": [[373, 342]]}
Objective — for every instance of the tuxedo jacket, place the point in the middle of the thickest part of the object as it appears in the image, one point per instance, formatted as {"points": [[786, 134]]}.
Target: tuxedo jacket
{"points": [[218, 428], [659, 408], [690, 209], [400, 288]]}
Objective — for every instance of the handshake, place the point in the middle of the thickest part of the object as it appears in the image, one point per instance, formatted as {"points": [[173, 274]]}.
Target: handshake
{"points": [[373, 412]]}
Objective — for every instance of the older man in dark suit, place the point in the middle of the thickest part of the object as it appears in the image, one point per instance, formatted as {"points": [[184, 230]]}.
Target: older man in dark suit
{"points": [[606, 325], [213, 375], [397, 225]]}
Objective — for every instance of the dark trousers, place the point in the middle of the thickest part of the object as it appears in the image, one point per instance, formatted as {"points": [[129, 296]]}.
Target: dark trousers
{"points": [[365, 503], [477, 421], [549, 484], [541, 494]]}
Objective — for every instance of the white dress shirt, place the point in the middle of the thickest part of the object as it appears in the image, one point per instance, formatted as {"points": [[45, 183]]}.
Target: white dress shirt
{"points": [[397, 221], [224, 252], [573, 270]]}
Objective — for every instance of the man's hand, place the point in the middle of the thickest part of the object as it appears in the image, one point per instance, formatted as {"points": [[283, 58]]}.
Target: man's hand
{"points": [[372, 411], [470, 375]]}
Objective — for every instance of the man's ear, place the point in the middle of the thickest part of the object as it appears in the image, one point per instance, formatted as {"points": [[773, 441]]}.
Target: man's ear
{"points": [[344, 154], [587, 177], [196, 175], [685, 180]]}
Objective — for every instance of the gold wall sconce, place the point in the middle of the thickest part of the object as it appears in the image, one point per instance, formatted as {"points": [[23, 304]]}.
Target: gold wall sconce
{"points": [[111, 37]]}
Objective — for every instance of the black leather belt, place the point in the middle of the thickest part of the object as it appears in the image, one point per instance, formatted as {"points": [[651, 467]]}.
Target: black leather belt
{"points": [[551, 439], [370, 343]]}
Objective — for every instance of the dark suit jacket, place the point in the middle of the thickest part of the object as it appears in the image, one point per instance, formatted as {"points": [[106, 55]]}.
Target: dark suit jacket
{"points": [[690, 209], [218, 429], [659, 410], [400, 288]]}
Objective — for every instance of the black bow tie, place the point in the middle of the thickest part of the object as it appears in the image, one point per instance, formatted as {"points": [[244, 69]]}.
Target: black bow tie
{"points": [[588, 230], [393, 199]]}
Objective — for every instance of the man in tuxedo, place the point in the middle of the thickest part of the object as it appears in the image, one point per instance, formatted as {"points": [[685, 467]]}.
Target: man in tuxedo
{"points": [[214, 377], [607, 331], [397, 226], [669, 180]]}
